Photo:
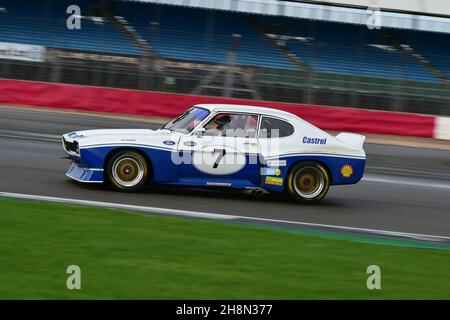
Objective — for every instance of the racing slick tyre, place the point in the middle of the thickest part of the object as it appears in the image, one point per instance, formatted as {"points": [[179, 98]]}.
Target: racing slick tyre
{"points": [[308, 182], [127, 170]]}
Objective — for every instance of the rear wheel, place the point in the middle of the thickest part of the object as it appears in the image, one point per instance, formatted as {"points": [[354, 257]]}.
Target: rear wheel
{"points": [[127, 170], [308, 182]]}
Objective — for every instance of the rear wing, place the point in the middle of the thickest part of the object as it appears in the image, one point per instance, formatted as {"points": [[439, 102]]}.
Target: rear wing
{"points": [[351, 139]]}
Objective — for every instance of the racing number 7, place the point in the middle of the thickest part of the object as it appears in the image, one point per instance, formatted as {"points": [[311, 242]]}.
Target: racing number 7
{"points": [[221, 155]]}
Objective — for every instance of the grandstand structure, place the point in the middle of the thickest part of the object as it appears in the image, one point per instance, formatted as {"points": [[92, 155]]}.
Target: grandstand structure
{"points": [[294, 56]]}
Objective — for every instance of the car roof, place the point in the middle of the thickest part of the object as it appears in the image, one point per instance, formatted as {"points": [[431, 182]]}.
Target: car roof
{"points": [[248, 109]]}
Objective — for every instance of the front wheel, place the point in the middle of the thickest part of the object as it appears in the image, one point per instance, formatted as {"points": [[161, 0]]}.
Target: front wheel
{"points": [[308, 182], [127, 170]]}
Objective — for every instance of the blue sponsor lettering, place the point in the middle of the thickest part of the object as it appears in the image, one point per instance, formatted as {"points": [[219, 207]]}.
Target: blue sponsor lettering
{"points": [[74, 135], [309, 140]]}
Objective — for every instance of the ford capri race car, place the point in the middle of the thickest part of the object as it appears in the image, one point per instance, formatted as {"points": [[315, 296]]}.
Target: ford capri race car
{"points": [[219, 146]]}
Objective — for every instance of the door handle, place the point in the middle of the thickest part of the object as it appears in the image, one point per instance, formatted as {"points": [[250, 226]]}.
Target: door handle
{"points": [[253, 144]]}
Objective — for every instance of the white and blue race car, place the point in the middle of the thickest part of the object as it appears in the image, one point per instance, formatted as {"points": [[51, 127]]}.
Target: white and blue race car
{"points": [[225, 146]]}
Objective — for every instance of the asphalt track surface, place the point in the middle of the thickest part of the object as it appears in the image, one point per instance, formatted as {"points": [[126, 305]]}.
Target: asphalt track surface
{"points": [[404, 190]]}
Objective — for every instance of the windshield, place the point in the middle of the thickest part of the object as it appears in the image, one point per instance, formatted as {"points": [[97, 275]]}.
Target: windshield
{"points": [[187, 121]]}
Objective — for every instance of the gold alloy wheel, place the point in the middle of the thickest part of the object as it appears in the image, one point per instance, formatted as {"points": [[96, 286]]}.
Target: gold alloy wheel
{"points": [[309, 182], [128, 171]]}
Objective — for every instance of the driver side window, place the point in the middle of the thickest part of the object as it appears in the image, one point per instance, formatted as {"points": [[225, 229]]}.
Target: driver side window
{"points": [[232, 125]]}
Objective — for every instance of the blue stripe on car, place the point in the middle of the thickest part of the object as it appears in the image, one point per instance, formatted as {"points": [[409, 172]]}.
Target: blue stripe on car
{"points": [[165, 171]]}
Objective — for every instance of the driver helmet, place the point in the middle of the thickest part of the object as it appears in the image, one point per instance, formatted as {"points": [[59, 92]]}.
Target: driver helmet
{"points": [[225, 120]]}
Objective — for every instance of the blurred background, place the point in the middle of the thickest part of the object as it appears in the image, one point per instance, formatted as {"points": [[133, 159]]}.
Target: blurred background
{"points": [[336, 53], [342, 53]]}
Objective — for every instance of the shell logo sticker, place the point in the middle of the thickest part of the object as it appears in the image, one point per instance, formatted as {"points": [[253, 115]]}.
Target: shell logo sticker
{"points": [[347, 171]]}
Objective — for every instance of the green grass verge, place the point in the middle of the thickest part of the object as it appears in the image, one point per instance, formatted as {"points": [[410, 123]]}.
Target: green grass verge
{"points": [[134, 256]]}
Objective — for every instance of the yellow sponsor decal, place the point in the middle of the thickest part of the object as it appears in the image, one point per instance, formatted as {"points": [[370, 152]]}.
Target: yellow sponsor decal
{"points": [[274, 181], [347, 171], [277, 172]]}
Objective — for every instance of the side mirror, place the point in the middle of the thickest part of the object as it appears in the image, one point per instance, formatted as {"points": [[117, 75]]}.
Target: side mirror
{"points": [[199, 133]]}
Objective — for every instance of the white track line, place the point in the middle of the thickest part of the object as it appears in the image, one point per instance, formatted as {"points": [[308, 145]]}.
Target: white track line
{"points": [[47, 138], [418, 183], [363, 230], [215, 216], [119, 206]]}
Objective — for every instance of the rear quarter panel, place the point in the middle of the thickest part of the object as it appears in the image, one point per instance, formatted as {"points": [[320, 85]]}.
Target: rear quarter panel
{"points": [[345, 164]]}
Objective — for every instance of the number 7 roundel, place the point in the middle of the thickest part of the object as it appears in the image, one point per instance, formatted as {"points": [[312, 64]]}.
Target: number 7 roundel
{"points": [[219, 160]]}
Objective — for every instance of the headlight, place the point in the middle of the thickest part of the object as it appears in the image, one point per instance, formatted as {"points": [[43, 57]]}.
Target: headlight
{"points": [[71, 147]]}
